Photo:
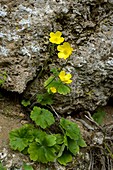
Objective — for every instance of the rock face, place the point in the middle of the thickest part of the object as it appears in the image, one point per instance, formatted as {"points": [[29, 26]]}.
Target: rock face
{"points": [[24, 49]]}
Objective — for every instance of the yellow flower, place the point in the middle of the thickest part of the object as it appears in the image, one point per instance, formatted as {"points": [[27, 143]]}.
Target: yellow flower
{"points": [[56, 37], [53, 89], [65, 50], [65, 77]]}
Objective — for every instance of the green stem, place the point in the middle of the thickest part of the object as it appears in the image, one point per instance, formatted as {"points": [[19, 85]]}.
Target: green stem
{"points": [[56, 76]]}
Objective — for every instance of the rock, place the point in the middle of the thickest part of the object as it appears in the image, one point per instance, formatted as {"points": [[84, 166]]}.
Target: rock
{"points": [[110, 1], [87, 25]]}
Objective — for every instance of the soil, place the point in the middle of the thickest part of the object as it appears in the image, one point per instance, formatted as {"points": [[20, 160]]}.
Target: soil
{"points": [[6, 125], [10, 117]]}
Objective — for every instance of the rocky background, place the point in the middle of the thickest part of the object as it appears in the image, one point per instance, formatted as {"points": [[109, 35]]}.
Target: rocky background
{"points": [[87, 25]]}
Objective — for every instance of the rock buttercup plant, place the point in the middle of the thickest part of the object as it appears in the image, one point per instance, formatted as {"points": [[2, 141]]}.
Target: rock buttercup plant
{"points": [[42, 144], [57, 83]]}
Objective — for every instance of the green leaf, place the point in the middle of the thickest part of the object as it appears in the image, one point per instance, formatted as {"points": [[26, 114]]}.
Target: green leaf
{"points": [[65, 140], [3, 77], [42, 137], [47, 140], [61, 151], [81, 142], [25, 103], [42, 117], [55, 83], [33, 150], [59, 141], [41, 153], [63, 89], [2, 167], [59, 138], [73, 146], [60, 87], [49, 81], [20, 138], [27, 167], [99, 116], [55, 72], [65, 158], [71, 128], [43, 150], [50, 140], [45, 98], [50, 154], [39, 135], [65, 144]]}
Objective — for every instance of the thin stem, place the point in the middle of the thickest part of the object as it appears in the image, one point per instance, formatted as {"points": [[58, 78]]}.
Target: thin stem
{"points": [[55, 111]]}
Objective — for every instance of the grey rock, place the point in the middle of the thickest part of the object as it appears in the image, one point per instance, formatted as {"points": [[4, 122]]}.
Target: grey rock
{"points": [[87, 25], [110, 1]]}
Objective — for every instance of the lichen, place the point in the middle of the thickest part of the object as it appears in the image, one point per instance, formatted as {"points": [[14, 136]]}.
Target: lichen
{"points": [[4, 51], [87, 25]]}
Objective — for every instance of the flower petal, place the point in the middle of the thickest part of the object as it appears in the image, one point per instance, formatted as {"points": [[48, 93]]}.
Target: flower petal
{"points": [[61, 55], [68, 82], [59, 48], [58, 34], [56, 37], [62, 73], [68, 76], [52, 34], [53, 89]]}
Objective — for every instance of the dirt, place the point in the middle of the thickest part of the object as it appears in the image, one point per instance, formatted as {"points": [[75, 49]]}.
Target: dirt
{"points": [[10, 116], [6, 125]]}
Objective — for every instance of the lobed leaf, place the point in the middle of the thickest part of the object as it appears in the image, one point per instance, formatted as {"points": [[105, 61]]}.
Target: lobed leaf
{"points": [[63, 89], [41, 153], [65, 158], [81, 142], [73, 146], [71, 128], [25, 103], [42, 117], [59, 138], [49, 81], [43, 149], [50, 140], [61, 150], [20, 138], [45, 99], [45, 139], [55, 72]]}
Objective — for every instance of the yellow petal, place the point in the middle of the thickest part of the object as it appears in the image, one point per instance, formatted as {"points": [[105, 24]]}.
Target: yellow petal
{"points": [[62, 75], [53, 89], [58, 34], [61, 39], [59, 47], [68, 82], [61, 55], [52, 40], [68, 75], [52, 34]]}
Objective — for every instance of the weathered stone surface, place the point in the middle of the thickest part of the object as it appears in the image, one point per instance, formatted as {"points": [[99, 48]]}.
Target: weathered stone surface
{"points": [[87, 25]]}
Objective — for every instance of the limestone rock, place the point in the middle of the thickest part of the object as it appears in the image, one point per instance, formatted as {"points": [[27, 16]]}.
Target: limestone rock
{"points": [[87, 25]]}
